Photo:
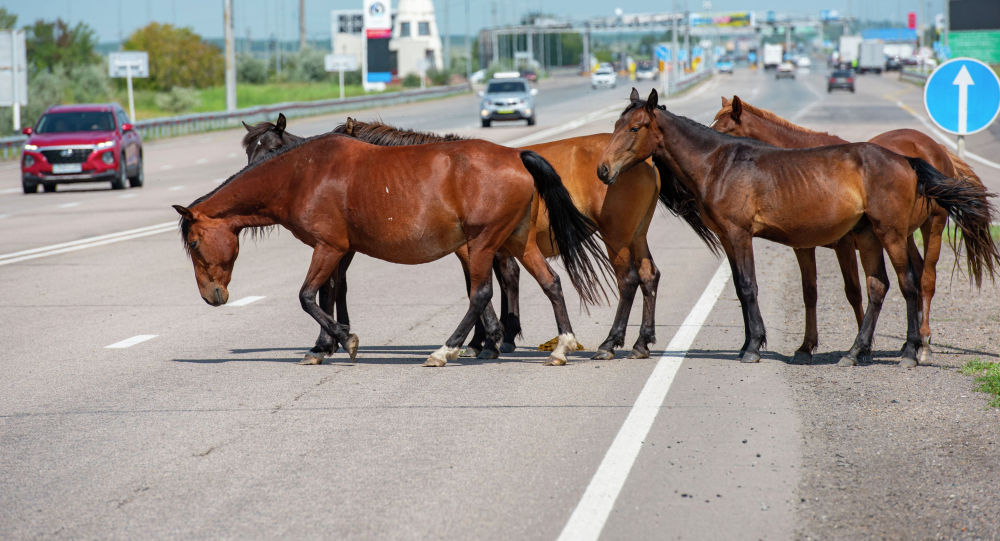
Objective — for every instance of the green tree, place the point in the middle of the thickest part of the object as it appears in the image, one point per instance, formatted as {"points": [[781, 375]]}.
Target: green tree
{"points": [[51, 43], [177, 57], [8, 21]]}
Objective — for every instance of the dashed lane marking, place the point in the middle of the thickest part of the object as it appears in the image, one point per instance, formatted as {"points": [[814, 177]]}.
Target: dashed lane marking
{"points": [[129, 342], [246, 300]]}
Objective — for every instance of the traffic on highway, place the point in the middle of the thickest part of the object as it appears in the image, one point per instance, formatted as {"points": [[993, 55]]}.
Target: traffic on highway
{"points": [[679, 295]]}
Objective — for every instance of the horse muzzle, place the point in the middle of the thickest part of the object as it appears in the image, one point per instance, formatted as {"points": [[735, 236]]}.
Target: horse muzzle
{"points": [[604, 173], [215, 295]]}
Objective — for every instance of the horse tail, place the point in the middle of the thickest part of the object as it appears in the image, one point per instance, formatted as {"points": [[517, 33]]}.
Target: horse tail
{"points": [[968, 205], [682, 203], [571, 231], [963, 170]]}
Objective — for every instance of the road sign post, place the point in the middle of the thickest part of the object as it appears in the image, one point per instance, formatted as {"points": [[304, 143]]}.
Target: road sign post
{"points": [[13, 86], [341, 63], [129, 64], [962, 97]]}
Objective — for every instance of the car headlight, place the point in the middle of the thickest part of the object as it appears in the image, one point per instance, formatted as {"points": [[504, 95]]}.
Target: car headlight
{"points": [[108, 158], [105, 144], [28, 160], [30, 147], [484, 113]]}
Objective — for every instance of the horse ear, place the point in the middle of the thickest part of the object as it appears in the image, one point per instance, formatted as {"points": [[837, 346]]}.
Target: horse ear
{"points": [[245, 125], [652, 100], [184, 211], [280, 125], [634, 96], [737, 109], [349, 126], [725, 102]]}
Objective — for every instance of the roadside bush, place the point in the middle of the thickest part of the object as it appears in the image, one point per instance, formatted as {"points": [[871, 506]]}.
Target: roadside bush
{"points": [[438, 77], [60, 85], [305, 66], [251, 70], [178, 99]]}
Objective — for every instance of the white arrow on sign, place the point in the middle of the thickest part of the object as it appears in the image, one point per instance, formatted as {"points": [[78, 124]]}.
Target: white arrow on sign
{"points": [[963, 80]]}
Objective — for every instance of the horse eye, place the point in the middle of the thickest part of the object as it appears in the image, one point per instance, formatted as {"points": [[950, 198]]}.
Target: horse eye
{"points": [[634, 129], [193, 244]]}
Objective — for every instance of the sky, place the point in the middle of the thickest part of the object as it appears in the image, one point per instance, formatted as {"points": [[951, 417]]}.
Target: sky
{"points": [[116, 19]]}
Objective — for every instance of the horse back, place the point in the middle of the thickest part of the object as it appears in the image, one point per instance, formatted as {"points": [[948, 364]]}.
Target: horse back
{"points": [[915, 144]]}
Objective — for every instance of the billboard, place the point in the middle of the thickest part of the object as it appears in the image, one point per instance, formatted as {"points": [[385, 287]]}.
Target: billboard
{"points": [[378, 65], [974, 14], [13, 68]]}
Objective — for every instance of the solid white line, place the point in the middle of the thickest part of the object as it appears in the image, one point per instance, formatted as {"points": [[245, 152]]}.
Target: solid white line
{"points": [[200, 161], [129, 342], [246, 300], [548, 133], [34, 253], [128, 195], [592, 512], [166, 167], [946, 139], [175, 188], [69, 205], [10, 190]]}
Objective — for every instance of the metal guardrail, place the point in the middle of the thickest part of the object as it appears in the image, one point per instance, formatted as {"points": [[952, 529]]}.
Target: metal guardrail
{"points": [[687, 82], [913, 76], [155, 128]]}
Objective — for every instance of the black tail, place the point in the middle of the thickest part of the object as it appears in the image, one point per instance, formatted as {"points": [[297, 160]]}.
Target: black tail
{"points": [[572, 232], [969, 207], [681, 202]]}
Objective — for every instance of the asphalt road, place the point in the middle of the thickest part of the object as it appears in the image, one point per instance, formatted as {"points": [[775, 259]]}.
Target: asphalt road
{"points": [[202, 425]]}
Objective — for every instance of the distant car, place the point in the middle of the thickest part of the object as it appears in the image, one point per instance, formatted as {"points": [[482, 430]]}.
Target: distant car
{"points": [[529, 75], [81, 143], [786, 70], [804, 62], [893, 64], [840, 79], [645, 71], [724, 66], [508, 98], [604, 77]]}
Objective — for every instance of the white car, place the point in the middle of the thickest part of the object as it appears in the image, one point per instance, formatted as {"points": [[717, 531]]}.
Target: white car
{"points": [[604, 77], [786, 70]]}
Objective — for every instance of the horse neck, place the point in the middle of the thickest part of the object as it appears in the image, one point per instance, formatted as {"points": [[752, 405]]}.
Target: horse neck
{"points": [[685, 148], [785, 136], [247, 200]]}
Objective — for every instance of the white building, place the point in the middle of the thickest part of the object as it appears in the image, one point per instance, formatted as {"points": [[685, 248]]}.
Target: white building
{"points": [[415, 37], [347, 32]]}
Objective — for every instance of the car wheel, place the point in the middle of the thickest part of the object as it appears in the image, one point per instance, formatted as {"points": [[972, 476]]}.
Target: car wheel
{"points": [[28, 186], [138, 179], [531, 121], [49, 187], [486, 123], [121, 178]]}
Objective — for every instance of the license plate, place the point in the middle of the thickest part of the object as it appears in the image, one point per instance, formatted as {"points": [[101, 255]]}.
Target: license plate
{"points": [[505, 111], [59, 168]]}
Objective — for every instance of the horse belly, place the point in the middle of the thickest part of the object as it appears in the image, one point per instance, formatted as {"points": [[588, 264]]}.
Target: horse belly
{"points": [[406, 243], [818, 227]]}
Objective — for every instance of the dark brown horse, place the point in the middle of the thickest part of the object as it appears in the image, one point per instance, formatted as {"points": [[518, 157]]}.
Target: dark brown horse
{"points": [[401, 204], [745, 188], [739, 118], [622, 214], [265, 137]]}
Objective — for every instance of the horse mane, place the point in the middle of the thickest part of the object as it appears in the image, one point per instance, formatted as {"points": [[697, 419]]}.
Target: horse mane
{"points": [[770, 117], [382, 134]]}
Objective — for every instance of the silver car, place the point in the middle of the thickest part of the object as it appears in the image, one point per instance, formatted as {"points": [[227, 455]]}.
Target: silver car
{"points": [[509, 98]]}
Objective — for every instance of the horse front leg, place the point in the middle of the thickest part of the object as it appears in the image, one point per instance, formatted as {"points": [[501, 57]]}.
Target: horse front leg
{"points": [[535, 264], [480, 293], [333, 295], [487, 331], [870, 250], [807, 269], [509, 274], [739, 249], [627, 277], [324, 263], [649, 280]]}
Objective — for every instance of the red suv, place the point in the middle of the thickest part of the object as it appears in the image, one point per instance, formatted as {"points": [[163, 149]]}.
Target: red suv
{"points": [[82, 143]]}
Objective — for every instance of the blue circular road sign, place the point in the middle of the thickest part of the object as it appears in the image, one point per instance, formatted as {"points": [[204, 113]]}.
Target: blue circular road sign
{"points": [[962, 96]]}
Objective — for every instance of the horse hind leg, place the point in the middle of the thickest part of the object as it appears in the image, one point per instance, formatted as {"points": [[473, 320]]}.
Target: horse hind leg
{"points": [[906, 275], [932, 233], [540, 270]]}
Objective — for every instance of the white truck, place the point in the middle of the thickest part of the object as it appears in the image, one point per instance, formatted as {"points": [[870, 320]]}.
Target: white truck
{"points": [[848, 49], [871, 56], [772, 55]]}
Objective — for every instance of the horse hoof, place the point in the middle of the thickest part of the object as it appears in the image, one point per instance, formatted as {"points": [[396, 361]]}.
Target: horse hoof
{"points": [[507, 347], [555, 362], [924, 355], [908, 362], [436, 363], [865, 358], [802, 357], [311, 358], [352, 346], [469, 352], [750, 357], [487, 354], [847, 361], [639, 353], [603, 355]]}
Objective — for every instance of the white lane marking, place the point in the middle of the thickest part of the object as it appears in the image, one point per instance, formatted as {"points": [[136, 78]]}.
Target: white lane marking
{"points": [[200, 161], [69, 205], [231, 155], [946, 139], [219, 180], [175, 188], [90, 242], [166, 167], [246, 300], [10, 190], [129, 342], [128, 195], [548, 133], [592, 512]]}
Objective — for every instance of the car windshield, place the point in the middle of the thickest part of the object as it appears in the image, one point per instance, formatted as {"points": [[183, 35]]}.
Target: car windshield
{"points": [[505, 86], [841, 74], [76, 122], [604, 71]]}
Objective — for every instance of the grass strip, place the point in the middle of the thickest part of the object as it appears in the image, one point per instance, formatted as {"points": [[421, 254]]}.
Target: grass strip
{"points": [[987, 375]]}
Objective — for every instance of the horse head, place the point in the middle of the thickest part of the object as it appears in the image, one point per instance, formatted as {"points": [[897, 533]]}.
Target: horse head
{"points": [[730, 117], [213, 246], [266, 137], [635, 138]]}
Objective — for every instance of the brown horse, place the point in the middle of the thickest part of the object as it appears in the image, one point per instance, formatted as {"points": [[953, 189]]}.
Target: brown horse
{"points": [[804, 198], [739, 118], [622, 214], [402, 204]]}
